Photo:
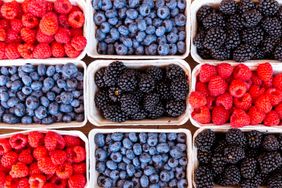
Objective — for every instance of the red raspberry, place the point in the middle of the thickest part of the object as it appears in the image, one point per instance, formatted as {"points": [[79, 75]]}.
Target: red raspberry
{"points": [[219, 115], [35, 139], [278, 109], [18, 141], [4, 24], [264, 71], [224, 70], [255, 91], [63, 21], [8, 159], [76, 19], [23, 183], [210, 102], [50, 185], [42, 38], [2, 179], [12, 36], [76, 32], [11, 182], [60, 183], [202, 88], [53, 140], [70, 51], [77, 181], [62, 6], [42, 51], [242, 72], [64, 171], [275, 96], [217, 86], [255, 79], [63, 35], [268, 84], [28, 35], [72, 141], [58, 50], [197, 99], [33, 169], [79, 168], [26, 50], [2, 50], [244, 102], [239, 118], [225, 100], [40, 152], [49, 24], [237, 88], [271, 119], [46, 165], [24, 5], [4, 146], [263, 103], [202, 115], [10, 10], [2, 35], [36, 180], [29, 21], [76, 154], [16, 25], [256, 116], [277, 81], [37, 8], [11, 51], [25, 156], [79, 42], [207, 71], [58, 157], [19, 170]]}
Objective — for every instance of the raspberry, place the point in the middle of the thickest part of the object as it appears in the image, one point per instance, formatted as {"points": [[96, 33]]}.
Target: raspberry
{"points": [[2, 50], [278, 109], [255, 79], [4, 146], [70, 51], [242, 72], [64, 171], [217, 86], [76, 19], [72, 141], [60, 183], [63, 6], [78, 42], [76, 32], [237, 88], [255, 91], [10, 182], [23, 183], [63, 35], [202, 88], [225, 100], [77, 181], [224, 70], [16, 25], [2, 35], [207, 71], [271, 119], [76, 154], [256, 116], [2, 179], [36, 180], [46, 165], [202, 115], [10, 10], [35, 139], [79, 168], [42, 38], [219, 115], [49, 24], [277, 81], [263, 103], [197, 99], [244, 102], [210, 101], [42, 51], [26, 50], [58, 49], [33, 169], [25, 156], [275, 96], [18, 141], [24, 5], [49, 6], [52, 141], [29, 21], [11, 51], [264, 71], [58, 157], [12, 36], [8, 159], [63, 21], [60, 142], [37, 8], [239, 118], [19, 170], [40, 152], [28, 35]]}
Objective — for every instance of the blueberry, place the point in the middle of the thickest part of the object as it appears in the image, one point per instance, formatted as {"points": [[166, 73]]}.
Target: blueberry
{"points": [[3, 80], [10, 118], [105, 27], [80, 76], [26, 80], [13, 70], [163, 49], [150, 30], [172, 49], [144, 181], [163, 12], [72, 84], [66, 108], [4, 70], [122, 174], [169, 25], [4, 96], [136, 162], [34, 76], [117, 136], [108, 183], [106, 4], [143, 137], [61, 83], [171, 4], [16, 85], [132, 14], [154, 186], [115, 146], [141, 24], [152, 150], [133, 28], [154, 178], [101, 180], [119, 4], [130, 169], [111, 165], [172, 163], [149, 39], [133, 3], [66, 97], [182, 146], [28, 68], [126, 160], [181, 4], [100, 154], [116, 157], [100, 167], [135, 43], [163, 148], [44, 101], [145, 147], [138, 173], [133, 137], [157, 158], [144, 10], [121, 49], [162, 137], [176, 152], [48, 120], [160, 3], [56, 76], [123, 30], [180, 173], [126, 42], [79, 109], [36, 86], [20, 110], [164, 157], [48, 83], [180, 20], [75, 103], [100, 35], [14, 77], [137, 149], [41, 112], [50, 70], [164, 176], [114, 175], [172, 38], [130, 154], [4, 104], [152, 140], [56, 90], [171, 136], [139, 50], [32, 102], [26, 120], [140, 36], [53, 108], [181, 137], [145, 158], [128, 184], [181, 35], [79, 117], [12, 102], [174, 12], [173, 183], [122, 166], [122, 12], [11, 93], [149, 170], [41, 70], [99, 18]]}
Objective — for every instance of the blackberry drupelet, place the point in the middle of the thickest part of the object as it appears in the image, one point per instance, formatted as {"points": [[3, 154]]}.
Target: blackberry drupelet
{"points": [[252, 36], [99, 77], [270, 143], [129, 104], [151, 101], [245, 5], [235, 22], [268, 44], [232, 175], [102, 99], [228, 7], [115, 93], [278, 52], [251, 18], [248, 168], [114, 113], [157, 112], [128, 80], [141, 114], [275, 181], [221, 53], [203, 177], [112, 73], [233, 154], [203, 12], [232, 39], [175, 108], [215, 38], [179, 89], [205, 140], [199, 39], [269, 161], [163, 89], [214, 19], [204, 157], [156, 72], [279, 14], [272, 26], [204, 53], [243, 53], [174, 71], [235, 137], [220, 146], [251, 183], [268, 7], [259, 53], [252, 153], [254, 138], [146, 83], [218, 163]]}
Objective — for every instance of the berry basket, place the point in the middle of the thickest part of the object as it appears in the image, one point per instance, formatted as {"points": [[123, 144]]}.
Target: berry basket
{"points": [[92, 145], [95, 117], [80, 64], [93, 43]]}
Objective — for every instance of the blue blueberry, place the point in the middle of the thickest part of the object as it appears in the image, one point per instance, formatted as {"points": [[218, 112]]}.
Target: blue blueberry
{"points": [[127, 143], [145, 158], [163, 49], [133, 137], [136, 162], [172, 136], [128, 184], [41, 112], [10, 118], [182, 146], [4, 96], [181, 4], [172, 49], [150, 30], [145, 147], [153, 151], [139, 50], [56, 89], [164, 157], [122, 166], [149, 21], [181, 35], [16, 85], [160, 3], [149, 39], [135, 43], [3, 80], [26, 120], [180, 20], [123, 30], [34, 76], [48, 120], [26, 80], [126, 41], [176, 152], [99, 18], [133, 3], [154, 178], [126, 160], [48, 83], [172, 38], [106, 4], [11, 93], [66, 108], [149, 170], [130, 154], [20, 110], [122, 175], [141, 24], [53, 108], [14, 77], [13, 70], [174, 12], [132, 14], [163, 12], [152, 140], [140, 36], [114, 175], [4, 104], [116, 157], [171, 4], [119, 4], [66, 97], [133, 28], [115, 146], [144, 9], [181, 137], [12, 102], [164, 176], [163, 148], [130, 169], [105, 27], [137, 149], [36, 85], [122, 12], [157, 158], [143, 137], [113, 21], [160, 31], [172, 162], [179, 173], [51, 70], [117, 136], [144, 181], [173, 183], [41, 69], [169, 25], [100, 35], [100, 167], [111, 165], [56, 76], [4, 70], [100, 154], [108, 183], [121, 49], [154, 186]]}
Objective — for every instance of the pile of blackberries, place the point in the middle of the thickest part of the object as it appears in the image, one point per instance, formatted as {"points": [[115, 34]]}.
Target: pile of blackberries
{"points": [[240, 31], [136, 94]]}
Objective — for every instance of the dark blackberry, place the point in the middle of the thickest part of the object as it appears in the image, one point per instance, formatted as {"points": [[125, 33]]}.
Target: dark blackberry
{"points": [[175, 108], [235, 137], [214, 19], [252, 36], [269, 161], [204, 157], [233, 154], [151, 101], [251, 18], [101, 99], [220, 146], [279, 13], [203, 177], [235, 22], [203, 12], [174, 71], [248, 168], [139, 95], [272, 26], [232, 175], [99, 77], [270, 143], [112, 73], [254, 139], [199, 39], [251, 183], [179, 89], [228, 7], [275, 181], [128, 80], [278, 52], [114, 113], [243, 53], [163, 89], [215, 38], [245, 5], [268, 44], [221, 53], [252, 153], [147, 83], [279, 137], [232, 40], [204, 53], [156, 72], [268, 7], [259, 53], [157, 112], [115, 93], [205, 140], [140, 115], [129, 104], [218, 163]]}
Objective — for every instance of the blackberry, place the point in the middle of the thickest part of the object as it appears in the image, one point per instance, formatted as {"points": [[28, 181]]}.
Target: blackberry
{"points": [[233, 154], [175, 108], [114, 113], [252, 153], [128, 80], [275, 181], [251, 183], [252, 36], [179, 89], [199, 39], [215, 38], [251, 18], [140, 115], [129, 104], [221, 53], [268, 44], [228, 7], [272, 26], [245, 5], [243, 53], [269, 161], [151, 101], [235, 22], [115, 93], [203, 12], [99, 77], [278, 52], [203, 177], [279, 14], [232, 175], [101, 99], [112, 73], [254, 139], [138, 95], [147, 83], [205, 140], [174, 71], [204, 157], [279, 137], [163, 88], [268, 7], [214, 19], [270, 143], [232, 40], [218, 163], [235, 137], [204, 53], [156, 72], [157, 112], [259, 53], [220, 146], [248, 168]]}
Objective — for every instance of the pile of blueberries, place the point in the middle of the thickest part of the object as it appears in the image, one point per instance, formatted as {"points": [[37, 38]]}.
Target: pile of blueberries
{"points": [[140, 27], [41, 94], [150, 160]]}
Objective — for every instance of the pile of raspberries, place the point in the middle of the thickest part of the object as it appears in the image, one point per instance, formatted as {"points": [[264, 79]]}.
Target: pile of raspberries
{"points": [[39, 159], [237, 95], [41, 29]]}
